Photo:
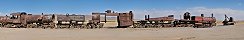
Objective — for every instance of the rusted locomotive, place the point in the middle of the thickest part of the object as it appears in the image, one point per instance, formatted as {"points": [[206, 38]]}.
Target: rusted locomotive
{"points": [[21, 20], [124, 20], [24, 20], [169, 21], [197, 21], [155, 22]]}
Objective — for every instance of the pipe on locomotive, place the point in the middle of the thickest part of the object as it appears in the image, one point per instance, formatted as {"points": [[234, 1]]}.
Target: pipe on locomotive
{"points": [[212, 15], [147, 17], [202, 15]]}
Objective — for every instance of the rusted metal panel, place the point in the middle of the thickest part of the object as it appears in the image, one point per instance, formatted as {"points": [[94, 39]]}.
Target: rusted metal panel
{"points": [[4, 19], [112, 14], [161, 19], [47, 18], [63, 18], [77, 17], [13, 20], [18, 14], [33, 18], [96, 17], [197, 19], [209, 19], [125, 19], [8, 20]]}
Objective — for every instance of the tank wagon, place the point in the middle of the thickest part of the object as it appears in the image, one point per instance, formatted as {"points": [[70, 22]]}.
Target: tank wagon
{"points": [[74, 21], [155, 22]]}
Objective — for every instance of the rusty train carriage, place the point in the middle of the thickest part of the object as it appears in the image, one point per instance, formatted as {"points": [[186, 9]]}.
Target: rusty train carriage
{"points": [[124, 19], [24, 20], [70, 21], [154, 22]]}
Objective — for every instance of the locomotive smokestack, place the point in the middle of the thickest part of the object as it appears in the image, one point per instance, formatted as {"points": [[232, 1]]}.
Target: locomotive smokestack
{"points": [[212, 15], [108, 11], [130, 12], [148, 17], [170, 15], [202, 15], [145, 17]]}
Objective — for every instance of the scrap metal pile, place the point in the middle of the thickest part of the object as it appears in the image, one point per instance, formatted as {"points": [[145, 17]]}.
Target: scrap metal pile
{"points": [[124, 20]]}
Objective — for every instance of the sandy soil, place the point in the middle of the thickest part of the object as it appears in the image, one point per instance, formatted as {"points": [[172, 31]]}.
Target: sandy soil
{"points": [[181, 33]]}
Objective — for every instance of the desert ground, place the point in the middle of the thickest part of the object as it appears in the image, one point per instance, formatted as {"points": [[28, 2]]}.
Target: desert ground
{"points": [[219, 32]]}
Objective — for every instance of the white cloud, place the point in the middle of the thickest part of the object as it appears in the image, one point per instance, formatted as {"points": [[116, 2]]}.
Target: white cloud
{"points": [[218, 12], [3, 14]]}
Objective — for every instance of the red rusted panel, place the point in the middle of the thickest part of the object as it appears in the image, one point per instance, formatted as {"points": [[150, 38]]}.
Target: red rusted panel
{"points": [[209, 19], [197, 19], [161, 19], [125, 19]]}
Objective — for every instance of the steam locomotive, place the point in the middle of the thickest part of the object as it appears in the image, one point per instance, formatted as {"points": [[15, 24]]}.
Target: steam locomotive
{"points": [[24, 20], [169, 21]]}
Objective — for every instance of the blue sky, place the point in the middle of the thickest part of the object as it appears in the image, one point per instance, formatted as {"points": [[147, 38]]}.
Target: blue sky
{"points": [[140, 7]]}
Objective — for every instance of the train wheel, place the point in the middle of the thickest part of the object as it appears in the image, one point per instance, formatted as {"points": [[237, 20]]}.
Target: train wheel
{"points": [[71, 26], [208, 26], [197, 26], [43, 27], [148, 26], [136, 25], [90, 26], [82, 26], [179, 25], [171, 25], [29, 26], [101, 25], [214, 24], [58, 27], [142, 26], [8, 25], [166, 25], [159, 26]]}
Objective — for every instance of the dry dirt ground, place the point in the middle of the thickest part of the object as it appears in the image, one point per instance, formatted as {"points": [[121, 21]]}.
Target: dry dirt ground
{"points": [[235, 32]]}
